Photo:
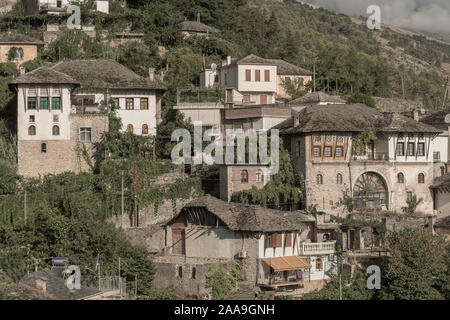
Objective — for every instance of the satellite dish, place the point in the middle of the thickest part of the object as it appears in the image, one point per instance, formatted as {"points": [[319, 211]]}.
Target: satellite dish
{"points": [[447, 118]]}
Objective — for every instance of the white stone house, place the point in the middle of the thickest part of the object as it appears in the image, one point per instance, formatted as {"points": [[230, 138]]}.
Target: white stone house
{"points": [[58, 6], [393, 168]]}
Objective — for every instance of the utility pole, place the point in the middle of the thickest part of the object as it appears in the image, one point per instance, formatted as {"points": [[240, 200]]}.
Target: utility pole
{"points": [[25, 205], [121, 217], [314, 75]]}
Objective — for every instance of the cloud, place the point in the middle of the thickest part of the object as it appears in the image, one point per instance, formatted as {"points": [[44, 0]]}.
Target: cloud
{"points": [[422, 15]]}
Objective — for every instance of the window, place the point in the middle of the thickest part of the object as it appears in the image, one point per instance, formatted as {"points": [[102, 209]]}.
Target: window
{"points": [[216, 78], [43, 103], [288, 240], [144, 129], [275, 240], [59, 3], [339, 178], [327, 151], [400, 148], [55, 130], [55, 118], [263, 99], [339, 152], [31, 130], [409, 196], [31, 103], [246, 98], [194, 271], [299, 147], [259, 176], [85, 134], [56, 103], [32, 118], [257, 75], [436, 156], [43, 148], [319, 179], [180, 271], [317, 152], [421, 149], [319, 265], [248, 75], [144, 103], [421, 178], [411, 148], [18, 53], [244, 176], [326, 236], [267, 75], [129, 104], [130, 128], [400, 178]]}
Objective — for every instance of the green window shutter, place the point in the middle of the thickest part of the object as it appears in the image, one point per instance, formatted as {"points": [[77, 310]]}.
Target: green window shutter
{"points": [[56, 103], [43, 103]]}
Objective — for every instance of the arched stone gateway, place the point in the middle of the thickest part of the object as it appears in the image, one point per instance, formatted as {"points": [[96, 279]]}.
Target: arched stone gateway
{"points": [[371, 191]]}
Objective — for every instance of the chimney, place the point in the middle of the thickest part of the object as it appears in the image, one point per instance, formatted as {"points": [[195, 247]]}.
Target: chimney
{"points": [[198, 16], [296, 121], [22, 69], [41, 284], [151, 74], [228, 60]]}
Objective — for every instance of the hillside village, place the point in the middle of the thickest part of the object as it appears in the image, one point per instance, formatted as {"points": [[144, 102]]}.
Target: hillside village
{"points": [[87, 118]]}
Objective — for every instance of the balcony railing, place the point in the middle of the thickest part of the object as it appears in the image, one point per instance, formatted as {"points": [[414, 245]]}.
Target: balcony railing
{"points": [[375, 156], [313, 248]]}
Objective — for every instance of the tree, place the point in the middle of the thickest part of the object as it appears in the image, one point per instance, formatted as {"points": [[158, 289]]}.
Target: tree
{"points": [[412, 204], [416, 266], [362, 98]]}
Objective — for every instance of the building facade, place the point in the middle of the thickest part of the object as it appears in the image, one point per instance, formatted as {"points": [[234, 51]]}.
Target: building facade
{"points": [[383, 175], [26, 48]]}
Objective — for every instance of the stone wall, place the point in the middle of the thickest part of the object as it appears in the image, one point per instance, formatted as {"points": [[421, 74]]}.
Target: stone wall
{"points": [[61, 155]]}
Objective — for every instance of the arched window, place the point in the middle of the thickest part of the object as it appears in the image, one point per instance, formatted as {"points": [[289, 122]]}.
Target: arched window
{"points": [[44, 148], [319, 264], [339, 178], [244, 176], [55, 130], [400, 178], [180, 271], [194, 271], [144, 129], [319, 179], [130, 128], [31, 130], [421, 178], [259, 176]]}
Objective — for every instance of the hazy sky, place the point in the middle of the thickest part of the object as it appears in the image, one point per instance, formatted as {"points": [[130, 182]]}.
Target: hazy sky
{"points": [[425, 15]]}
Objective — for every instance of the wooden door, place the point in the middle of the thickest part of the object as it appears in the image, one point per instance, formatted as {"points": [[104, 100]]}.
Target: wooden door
{"points": [[178, 241]]}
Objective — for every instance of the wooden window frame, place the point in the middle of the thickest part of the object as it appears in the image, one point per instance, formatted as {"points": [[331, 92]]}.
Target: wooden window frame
{"points": [[400, 177], [319, 148], [257, 75], [31, 101], [402, 154], [56, 130], [411, 151], [84, 131], [288, 240], [421, 149], [341, 151], [330, 148], [145, 106], [44, 101], [57, 101], [127, 100], [267, 75], [421, 178], [248, 75]]}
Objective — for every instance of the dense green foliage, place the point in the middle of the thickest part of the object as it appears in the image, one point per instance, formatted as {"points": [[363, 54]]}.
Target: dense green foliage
{"points": [[284, 190], [222, 281]]}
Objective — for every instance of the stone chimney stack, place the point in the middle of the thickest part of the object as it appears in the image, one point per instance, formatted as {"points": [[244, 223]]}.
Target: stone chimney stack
{"points": [[151, 74], [41, 284]]}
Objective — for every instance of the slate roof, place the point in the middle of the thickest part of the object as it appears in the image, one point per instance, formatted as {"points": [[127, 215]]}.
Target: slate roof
{"points": [[317, 97], [436, 118], [18, 38], [350, 118], [441, 182], [286, 68], [195, 26], [55, 288], [104, 72], [242, 217], [44, 75]]}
